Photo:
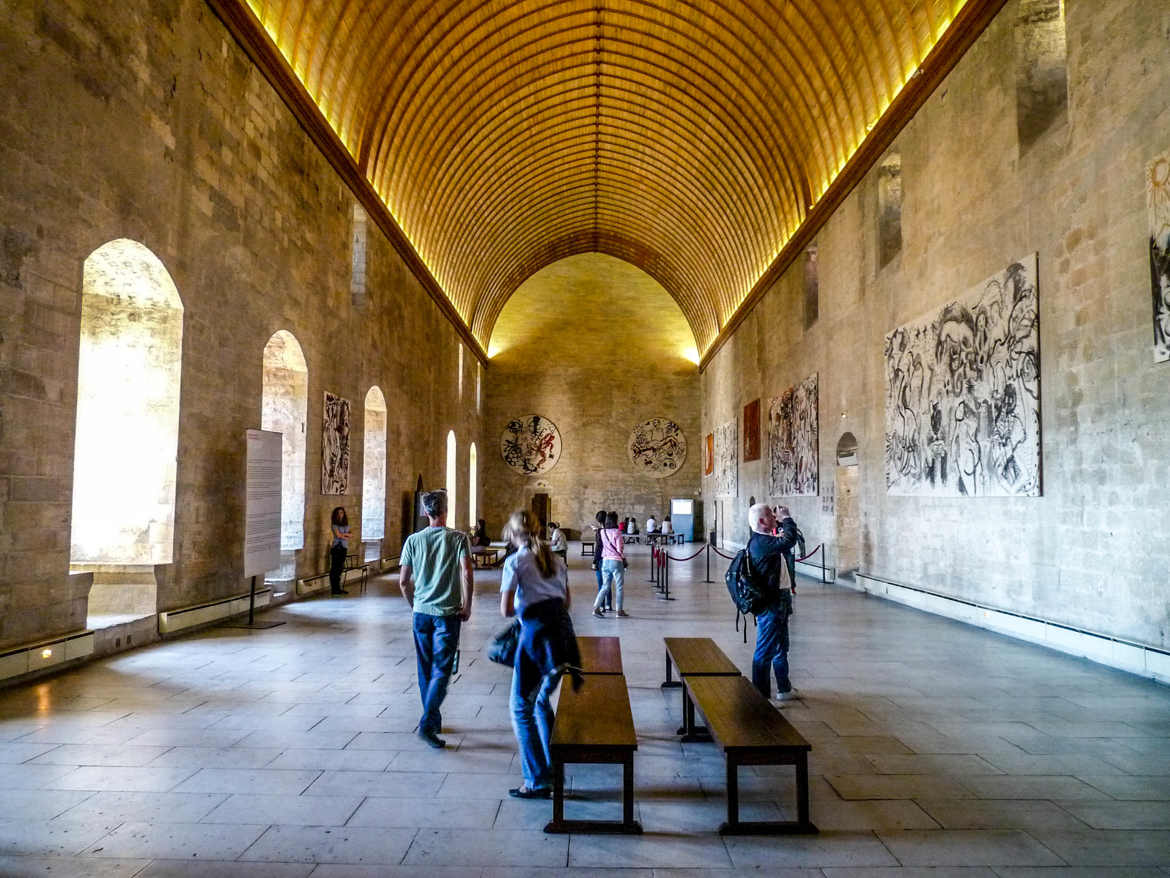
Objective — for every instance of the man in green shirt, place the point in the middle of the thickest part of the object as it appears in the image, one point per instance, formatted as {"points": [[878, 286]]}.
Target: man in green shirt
{"points": [[436, 580]]}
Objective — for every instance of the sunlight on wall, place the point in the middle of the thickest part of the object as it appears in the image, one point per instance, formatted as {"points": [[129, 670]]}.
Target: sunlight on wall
{"points": [[285, 409], [374, 467], [129, 361], [452, 475]]}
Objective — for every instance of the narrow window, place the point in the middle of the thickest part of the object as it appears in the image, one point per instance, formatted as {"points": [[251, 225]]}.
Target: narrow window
{"points": [[357, 277], [812, 287], [452, 476], [374, 468], [284, 409], [127, 435], [472, 490], [889, 208], [1041, 69]]}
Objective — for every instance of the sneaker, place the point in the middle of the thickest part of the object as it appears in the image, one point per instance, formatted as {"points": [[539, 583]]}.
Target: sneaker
{"points": [[792, 694], [623, 614], [599, 613], [524, 792], [432, 740]]}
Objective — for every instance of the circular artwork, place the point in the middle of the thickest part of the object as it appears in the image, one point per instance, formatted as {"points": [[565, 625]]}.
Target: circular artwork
{"points": [[531, 444], [657, 447]]}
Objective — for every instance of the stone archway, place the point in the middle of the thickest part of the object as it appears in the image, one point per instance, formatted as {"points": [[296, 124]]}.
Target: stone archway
{"points": [[847, 507]]}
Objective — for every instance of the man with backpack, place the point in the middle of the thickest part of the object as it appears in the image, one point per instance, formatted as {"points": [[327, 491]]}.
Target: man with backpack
{"points": [[766, 554]]}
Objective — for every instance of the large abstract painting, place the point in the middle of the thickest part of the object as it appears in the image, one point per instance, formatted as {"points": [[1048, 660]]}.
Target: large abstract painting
{"points": [[1158, 203], [531, 444], [726, 460], [657, 448], [963, 394], [335, 446], [794, 442], [751, 431]]}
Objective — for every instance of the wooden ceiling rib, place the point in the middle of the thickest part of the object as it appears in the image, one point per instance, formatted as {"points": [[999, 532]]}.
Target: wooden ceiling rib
{"points": [[692, 138]]}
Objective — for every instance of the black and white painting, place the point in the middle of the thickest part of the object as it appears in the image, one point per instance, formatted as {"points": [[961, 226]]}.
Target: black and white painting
{"points": [[727, 460], [335, 446], [963, 394], [530, 444], [1158, 203], [657, 448], [793, 442]]}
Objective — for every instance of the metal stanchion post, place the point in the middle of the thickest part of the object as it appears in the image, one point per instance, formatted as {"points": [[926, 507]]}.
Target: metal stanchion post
{"points": [[708, 578], [653, 559]]}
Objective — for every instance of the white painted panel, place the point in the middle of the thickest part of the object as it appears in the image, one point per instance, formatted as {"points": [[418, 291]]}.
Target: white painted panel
{"points": [[79, 647], [14, 665]]}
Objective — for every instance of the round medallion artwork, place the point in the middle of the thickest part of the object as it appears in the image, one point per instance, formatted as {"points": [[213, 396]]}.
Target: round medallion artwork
{"points": [[531, 444], [657, 448]]}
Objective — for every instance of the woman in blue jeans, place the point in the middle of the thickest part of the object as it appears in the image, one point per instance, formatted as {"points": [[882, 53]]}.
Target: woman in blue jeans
{"points": [[534, 586]]}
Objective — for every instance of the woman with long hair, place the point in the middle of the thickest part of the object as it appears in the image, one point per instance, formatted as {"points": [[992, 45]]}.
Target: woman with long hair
{"points": [[534, 585], [597, 529], [613, 566], [338, 548]]}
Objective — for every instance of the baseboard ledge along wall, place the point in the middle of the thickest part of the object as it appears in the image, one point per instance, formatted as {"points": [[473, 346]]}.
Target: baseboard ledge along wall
{"points": [[1135, 658]]}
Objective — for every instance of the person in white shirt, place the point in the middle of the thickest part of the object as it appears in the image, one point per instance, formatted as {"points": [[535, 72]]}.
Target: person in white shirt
{"points": [[667, 527], [557, 541], [651, 525]]}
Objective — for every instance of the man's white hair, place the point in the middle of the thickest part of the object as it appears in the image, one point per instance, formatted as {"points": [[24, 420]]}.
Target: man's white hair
{"points": [[755, 514]]}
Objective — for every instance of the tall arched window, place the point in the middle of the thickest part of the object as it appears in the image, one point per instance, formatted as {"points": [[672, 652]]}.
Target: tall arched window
{"points": [[284, 409], [126, 442], [452, 476], [472, 491], [374, 467]]}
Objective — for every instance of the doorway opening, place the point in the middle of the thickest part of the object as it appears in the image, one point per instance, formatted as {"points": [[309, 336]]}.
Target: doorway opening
{"points": [[848, 511], [284, 408]]}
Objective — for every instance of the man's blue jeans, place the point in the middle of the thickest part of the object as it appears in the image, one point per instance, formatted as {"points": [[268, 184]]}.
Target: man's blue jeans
{"points": [[436, 639], [772, 648]]}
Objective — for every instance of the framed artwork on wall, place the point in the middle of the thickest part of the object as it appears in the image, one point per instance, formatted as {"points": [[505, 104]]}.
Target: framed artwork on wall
{"points": [[751, 430], [1158, 204], [335, 446], [709, 455], [793, 441]]}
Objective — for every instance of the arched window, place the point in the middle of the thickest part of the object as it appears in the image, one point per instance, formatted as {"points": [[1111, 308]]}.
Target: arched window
{"points": [[452, 476], [472, 492], [285, 409], [374, 467], [127, 436]]}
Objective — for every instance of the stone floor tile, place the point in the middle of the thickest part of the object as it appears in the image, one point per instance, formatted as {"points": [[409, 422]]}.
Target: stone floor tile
{"points": [[1002, 786], [1121, 815], [809, 851], [914, 872], [71, 867], [19, 804], [499, 847], [965, 847], [331, 870], [331, 844], [1026, 814], [292, 810], [1079, 872], [1109, 848], [117, 778], [379, 811], [175, 841], [235, 780], [14, 753], [898, 786], [650, 850], [218, 757], [40, 838], [333, 760], [223, 869], [115, 808], [952, 764], [1134, 787]]}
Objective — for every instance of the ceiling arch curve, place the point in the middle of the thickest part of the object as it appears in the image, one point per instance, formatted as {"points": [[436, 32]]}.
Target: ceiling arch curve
{"points": [[688, 137]]}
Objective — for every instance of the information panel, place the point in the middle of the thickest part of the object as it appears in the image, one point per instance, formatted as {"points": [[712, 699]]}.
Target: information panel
{"points": [[262, 518]]}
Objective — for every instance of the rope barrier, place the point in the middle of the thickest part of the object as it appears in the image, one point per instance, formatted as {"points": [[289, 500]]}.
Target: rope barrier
{"points": [[813, 552], [696, 555], [721, 554]]}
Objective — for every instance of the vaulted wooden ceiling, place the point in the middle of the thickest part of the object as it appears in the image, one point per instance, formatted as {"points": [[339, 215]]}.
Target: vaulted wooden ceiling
{"points": [[689, 137]]}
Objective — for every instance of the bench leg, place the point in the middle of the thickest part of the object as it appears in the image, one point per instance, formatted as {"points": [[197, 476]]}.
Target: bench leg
{"points": [[689, 731], [628, 796], [669, 682], [802, 790], [558, 818], [732, 794]]}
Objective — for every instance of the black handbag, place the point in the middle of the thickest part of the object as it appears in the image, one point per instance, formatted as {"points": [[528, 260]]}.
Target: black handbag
{"points": [[503, 645]]}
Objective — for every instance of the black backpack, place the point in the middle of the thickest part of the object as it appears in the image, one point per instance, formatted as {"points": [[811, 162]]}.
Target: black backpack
{"points": [[746, 589]]}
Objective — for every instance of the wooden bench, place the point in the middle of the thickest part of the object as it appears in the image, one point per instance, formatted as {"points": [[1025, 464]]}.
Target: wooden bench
{"points": [[600, 655], [594, 725], [750, 731], [485, 556], [586, 547], [700, 657]]}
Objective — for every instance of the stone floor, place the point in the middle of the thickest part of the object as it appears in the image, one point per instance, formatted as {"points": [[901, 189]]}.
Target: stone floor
{"points": [[939, 750]]}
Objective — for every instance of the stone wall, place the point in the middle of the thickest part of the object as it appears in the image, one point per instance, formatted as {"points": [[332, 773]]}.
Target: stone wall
{"points": [[596, 346], [145, 121], [1089, 552]]}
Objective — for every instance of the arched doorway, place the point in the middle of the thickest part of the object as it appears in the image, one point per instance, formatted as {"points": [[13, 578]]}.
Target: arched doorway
{"points": [[848, 512], [284, 409], [374, 474], [126, 441]]}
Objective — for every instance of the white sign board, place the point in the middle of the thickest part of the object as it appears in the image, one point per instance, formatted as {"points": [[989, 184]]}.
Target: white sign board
{"points": [[262, 516]]}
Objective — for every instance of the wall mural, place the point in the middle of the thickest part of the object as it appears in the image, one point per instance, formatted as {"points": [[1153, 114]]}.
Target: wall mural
{"points": [[335, 446], [963, 394], [726, 460], [709, 456], [657, 447], [794, 441], [751, 431], [531, 444], [1158, 203]]}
